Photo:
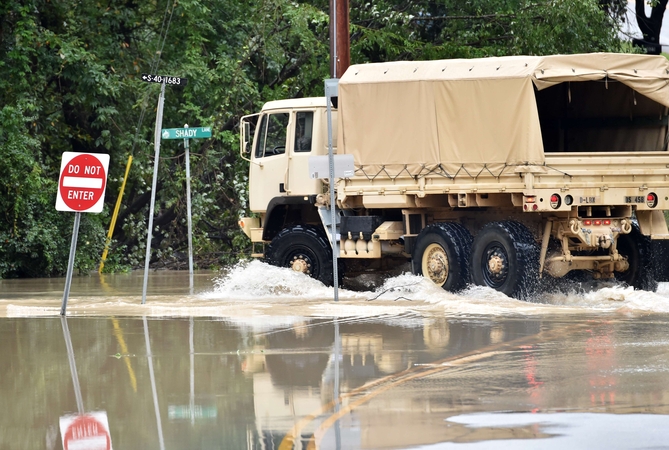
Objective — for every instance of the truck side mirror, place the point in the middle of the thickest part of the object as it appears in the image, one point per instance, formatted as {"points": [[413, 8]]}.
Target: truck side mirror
{"points": [[246, 135]]}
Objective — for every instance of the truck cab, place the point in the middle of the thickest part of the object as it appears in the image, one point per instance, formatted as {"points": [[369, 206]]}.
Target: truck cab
{"points": [[278, 143], [287, 133]]}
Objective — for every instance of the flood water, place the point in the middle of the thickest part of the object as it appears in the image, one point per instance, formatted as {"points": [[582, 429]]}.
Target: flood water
{"points": [[262, 358]]}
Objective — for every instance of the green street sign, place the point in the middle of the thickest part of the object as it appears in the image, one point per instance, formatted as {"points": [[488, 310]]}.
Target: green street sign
{"points": [[186, 133]]}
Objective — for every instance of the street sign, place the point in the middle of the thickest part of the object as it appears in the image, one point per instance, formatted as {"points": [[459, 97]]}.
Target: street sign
{"points": [[174, 81], [319, 166], [82, 183], [88, 431], [186, 133]]}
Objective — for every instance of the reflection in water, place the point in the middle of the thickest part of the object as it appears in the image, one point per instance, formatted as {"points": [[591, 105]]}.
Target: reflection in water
{"points": [[73, 365], [192, 383], [156, 406], [81, 430], [601, 362], [291, 369]]}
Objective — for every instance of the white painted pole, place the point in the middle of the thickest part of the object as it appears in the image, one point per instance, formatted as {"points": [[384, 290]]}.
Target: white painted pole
{"points": [[190, 220], [70, 264], [149, 231]]}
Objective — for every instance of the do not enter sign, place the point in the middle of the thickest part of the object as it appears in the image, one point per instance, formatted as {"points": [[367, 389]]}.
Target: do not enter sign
{"points": [[85, 432], [82, 183]]}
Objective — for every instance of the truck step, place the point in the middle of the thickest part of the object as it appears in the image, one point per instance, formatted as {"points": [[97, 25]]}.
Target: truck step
{"points": [[324, 213]]}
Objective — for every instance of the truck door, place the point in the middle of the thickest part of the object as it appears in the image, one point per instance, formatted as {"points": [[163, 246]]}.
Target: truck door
{"points": [[284, 140], [303, 145], [267, 177]]}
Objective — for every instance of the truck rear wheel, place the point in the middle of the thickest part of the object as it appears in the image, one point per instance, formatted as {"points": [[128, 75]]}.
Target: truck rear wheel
{"points": [[303, 248], [638, 250], [441, 254], [505, 257]]}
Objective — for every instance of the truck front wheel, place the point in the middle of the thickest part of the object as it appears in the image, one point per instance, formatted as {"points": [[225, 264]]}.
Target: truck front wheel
{"points": [[303, 248], [441, 255], [505, 257]]}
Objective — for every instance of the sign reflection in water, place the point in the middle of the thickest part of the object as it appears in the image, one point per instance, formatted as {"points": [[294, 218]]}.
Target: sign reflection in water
{"points": [[82, 430]]}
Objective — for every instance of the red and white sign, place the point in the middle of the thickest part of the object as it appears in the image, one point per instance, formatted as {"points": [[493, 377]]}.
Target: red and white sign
{"points": [[85, 432], [82, 183]]}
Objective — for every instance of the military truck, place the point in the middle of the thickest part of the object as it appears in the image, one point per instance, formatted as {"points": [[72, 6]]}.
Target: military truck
{"points": [[496, 171]]}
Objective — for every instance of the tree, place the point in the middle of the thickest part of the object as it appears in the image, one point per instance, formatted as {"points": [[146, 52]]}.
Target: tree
{"points": [[69, 82], [387, 30], [650, 25]]}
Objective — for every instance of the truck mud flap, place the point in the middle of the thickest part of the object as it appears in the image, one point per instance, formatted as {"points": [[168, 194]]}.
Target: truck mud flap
{"points": [[661, 259]]}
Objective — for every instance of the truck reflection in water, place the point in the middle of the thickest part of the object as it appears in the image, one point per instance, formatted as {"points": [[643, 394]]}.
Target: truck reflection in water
{"points": [[293, 373]]}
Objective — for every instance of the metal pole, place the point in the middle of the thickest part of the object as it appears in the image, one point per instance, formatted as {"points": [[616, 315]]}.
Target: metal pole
{"points": [[70, 264], [112, 225], [73, 365], [328, 97], [333, 215], [153, 384], [149, 232], [190, 220]]}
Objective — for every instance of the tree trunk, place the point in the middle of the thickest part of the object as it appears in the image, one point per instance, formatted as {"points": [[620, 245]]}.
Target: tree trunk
{"points": [[650, 26]]}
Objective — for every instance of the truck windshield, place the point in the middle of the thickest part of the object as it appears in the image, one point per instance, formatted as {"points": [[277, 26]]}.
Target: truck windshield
{"points": [[272, 135]]}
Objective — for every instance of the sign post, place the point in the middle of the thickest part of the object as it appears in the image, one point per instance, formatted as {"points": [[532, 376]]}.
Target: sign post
{"points": [[163, 80], [186, 133], [332, 90], [149, 231], [81, 188]]}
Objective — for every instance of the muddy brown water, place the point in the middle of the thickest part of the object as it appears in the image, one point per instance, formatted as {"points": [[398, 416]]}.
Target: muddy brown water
{"points": [[262, 358]]}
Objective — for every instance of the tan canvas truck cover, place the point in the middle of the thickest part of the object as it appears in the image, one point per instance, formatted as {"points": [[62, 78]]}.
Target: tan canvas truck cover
{"points": [[473, 115]]}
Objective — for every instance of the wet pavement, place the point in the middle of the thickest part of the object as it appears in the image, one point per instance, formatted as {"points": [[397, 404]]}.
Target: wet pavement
{"points": [[261, 358]]}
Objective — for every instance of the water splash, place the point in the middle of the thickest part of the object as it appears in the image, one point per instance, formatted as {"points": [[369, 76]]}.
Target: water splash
{"points": [[256, 280], [260, 281]]}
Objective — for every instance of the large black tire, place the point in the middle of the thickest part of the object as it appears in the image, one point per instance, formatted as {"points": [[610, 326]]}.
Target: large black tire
{"points": [[304, 248], [441, 255], [505, 257], [638, 250]]}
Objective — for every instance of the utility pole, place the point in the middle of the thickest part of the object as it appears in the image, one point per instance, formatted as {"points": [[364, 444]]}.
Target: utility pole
{"points": [[340, 52]]}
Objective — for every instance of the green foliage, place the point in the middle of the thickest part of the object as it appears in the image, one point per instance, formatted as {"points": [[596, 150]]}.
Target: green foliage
{"points": [[391, 30], [69, 81]]}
